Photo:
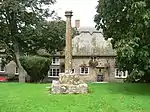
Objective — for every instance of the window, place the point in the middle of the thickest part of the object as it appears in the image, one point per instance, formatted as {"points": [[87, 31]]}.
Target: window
{"points": [[93, 58], [121, 74], [17, 71], [54, 72], [55, 61], [2, 67], [73, 71], [84, 70]]}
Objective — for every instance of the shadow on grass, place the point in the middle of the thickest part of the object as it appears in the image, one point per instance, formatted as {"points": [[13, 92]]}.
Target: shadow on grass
{"points": [[121, 88], [130, 89]]}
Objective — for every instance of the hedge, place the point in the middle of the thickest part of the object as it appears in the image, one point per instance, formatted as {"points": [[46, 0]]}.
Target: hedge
{"points": [[37, 67]]}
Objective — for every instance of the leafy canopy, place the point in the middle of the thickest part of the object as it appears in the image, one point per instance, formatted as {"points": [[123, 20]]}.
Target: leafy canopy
{"points": [[127, 23], [24, 28], [24, 22]]}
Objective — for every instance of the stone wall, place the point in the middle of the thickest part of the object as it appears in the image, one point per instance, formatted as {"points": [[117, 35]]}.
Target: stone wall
{"points": [[109, 75], [69, 84], [11, 68], [92, 76]]}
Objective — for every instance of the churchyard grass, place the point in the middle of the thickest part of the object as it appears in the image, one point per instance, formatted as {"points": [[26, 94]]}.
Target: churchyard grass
{"points": [[111, 97]]}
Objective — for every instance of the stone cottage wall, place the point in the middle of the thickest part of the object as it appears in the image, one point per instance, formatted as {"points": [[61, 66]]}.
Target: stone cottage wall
{"points": [[109, 75], [77, 62], [11, 68]]}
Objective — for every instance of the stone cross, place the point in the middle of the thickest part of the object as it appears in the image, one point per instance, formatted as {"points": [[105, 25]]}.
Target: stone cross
{"points": [[68, 50], [69, 83]]}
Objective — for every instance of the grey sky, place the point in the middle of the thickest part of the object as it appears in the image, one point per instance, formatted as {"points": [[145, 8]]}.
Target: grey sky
{"points": [[82, 9]]}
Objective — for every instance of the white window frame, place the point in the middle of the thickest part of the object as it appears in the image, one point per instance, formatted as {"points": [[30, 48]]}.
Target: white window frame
{"points": [[1, 69], [84, 70], [73, 70], [1, 66], [121, 74], [49, 73], [55, 61], [16, 73]]}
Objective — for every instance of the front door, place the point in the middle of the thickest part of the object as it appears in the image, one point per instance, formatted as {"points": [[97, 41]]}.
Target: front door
{"points": [[100, 74]]}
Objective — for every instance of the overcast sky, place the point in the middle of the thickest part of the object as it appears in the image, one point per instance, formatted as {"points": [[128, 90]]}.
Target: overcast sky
{"points": [[82, 9]]}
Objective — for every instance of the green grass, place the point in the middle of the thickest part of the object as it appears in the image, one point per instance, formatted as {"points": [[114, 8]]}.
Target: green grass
{"points": [[102, 98]]}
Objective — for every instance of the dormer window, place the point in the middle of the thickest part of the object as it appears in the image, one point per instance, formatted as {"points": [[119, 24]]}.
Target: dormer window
{"points": [[55, 61], [93, 58]]}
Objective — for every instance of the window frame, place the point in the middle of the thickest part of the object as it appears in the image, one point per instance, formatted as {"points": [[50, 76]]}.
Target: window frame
{"points": [[121, 74], [73, 71], [84, 70], [16, 71], [51, 71], [55, 61], [4, 69]]}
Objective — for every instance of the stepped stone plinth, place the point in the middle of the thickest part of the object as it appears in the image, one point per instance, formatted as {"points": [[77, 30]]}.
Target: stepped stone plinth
{"points": [[69, 84]]}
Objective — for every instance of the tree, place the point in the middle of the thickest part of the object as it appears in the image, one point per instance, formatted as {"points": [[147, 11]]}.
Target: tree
{"points": [[47, 35], [37, 67], [127, 23], [16, 18]]}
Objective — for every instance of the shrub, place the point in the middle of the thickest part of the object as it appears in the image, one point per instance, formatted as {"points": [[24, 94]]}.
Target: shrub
{"points": [[13, 78], [36, 67], [137, 76]]}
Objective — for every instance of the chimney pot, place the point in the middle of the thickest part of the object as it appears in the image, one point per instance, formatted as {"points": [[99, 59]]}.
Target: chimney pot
{"points": [[77, 23]]}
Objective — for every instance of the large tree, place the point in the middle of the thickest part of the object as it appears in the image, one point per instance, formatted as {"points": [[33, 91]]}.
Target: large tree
{"points": [[24, 29], [127, 23], [48, 35]]}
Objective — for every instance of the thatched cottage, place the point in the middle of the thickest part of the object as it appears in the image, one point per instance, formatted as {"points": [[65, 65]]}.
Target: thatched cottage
{"points": [[93, 58]]}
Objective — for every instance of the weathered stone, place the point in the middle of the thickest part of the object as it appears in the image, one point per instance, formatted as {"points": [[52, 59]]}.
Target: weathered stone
{"points": [[59, 88], [55, 87], [69, 79], [68, 49], [83, 88], [73, 89], [63, 88], [69, 83]]}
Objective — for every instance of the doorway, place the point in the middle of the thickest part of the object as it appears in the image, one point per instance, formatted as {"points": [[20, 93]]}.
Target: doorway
{"points": [[100, 74]]}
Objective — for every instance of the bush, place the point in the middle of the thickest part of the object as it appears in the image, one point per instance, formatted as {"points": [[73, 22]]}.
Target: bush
{"points": [[137, 76], [36, 67], [13, 78]]}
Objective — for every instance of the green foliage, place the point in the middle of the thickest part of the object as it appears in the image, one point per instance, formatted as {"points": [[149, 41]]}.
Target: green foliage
{"points": [[127, 23], [24, 28], [23, 24], [46, 35], [36, 67]]}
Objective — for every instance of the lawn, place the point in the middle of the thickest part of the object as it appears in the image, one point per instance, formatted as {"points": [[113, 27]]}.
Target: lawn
{"points": [[102, 98]]}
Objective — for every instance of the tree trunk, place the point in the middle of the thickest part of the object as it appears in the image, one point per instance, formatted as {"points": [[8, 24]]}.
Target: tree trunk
{"points": [[22, 72], [12, 25]]}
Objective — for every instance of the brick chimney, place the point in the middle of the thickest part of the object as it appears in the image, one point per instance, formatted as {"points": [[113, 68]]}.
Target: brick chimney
{"points": [[77, 23]]}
